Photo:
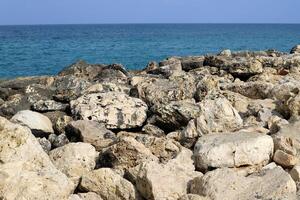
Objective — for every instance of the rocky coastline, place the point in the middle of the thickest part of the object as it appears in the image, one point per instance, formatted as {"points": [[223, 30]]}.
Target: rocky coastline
{"points": [[211, 127]]}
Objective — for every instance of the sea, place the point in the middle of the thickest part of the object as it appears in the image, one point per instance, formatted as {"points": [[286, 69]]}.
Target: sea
{"points": [[30, 50]]}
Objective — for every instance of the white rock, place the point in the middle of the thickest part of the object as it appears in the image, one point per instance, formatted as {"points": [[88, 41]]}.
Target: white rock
{"points": [[166, 181], [26, 172], [74, 159], [85, 196], [33, 120], [108, 185], [225, 184], [116, 110], [233, 150]]}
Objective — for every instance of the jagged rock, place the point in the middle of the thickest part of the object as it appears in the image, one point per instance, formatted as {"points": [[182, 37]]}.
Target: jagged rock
{"points": [[58, 141], [172, 89], [295, 49], [175, 114], [275, 124], [49, 105], [216, 115], [115, 110], [91, 132], [237, 66], [126, 153], [61, 122], [14, 104], [167, 68], [233, 150], [166, 181], [108, 185], [26, 170], [225, 184], [69, 87], [191, 62], [38, 123], [108, 87], [150, 129], [206, 85], [74, 159], [287, 145], [46, 144]]}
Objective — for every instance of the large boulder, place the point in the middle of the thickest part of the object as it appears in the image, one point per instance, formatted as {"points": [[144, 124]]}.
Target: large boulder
{"points": [[107, 184], [166, 181], [115, 110], [91, 132], [225, 183], [233, 150], [26, 170], [38, 123], [168, 67], [74, 159]]}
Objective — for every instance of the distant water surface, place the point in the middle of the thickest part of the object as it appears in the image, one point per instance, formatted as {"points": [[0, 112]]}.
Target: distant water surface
{"points": [[46, 49]]}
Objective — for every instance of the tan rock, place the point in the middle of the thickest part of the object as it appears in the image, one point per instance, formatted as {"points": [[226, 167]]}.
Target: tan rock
{"points": [[108, 185], [85, 196], [26, 171], [295, 173], [74, 159], [284, 159]]}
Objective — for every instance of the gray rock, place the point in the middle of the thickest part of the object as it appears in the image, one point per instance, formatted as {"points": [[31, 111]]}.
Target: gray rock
{"points": [[58, 141], [49, 105], [46, 144], [295, 49]]}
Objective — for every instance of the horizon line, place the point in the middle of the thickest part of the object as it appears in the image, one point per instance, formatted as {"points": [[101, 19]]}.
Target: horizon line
{"points": [[160, 23]]}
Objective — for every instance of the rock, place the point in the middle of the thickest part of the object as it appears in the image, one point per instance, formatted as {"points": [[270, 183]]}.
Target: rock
{"points": [[172, 89], [295, 173], [58, 141], [150, 129], [237, 66], [166, 181], [295, 49], [206, 85], [91, 132], [115, 110], [85, 196], [193, 197], [284, 159], [287, 145], [74, 159], [69, 88], [126, 153], [173, 115], [226, 53], [217, 115], [46, 144], [168, 67], [39, 124], [233, 150], [226, 184], [61, 122], [49, 105], [90, 72], [191, 62], [108, 185], [26, 170], [14, 104]]}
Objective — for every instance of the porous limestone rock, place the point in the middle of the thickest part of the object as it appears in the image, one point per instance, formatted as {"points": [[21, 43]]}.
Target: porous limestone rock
{"points": [[48, 105], [166, 181], [85, 196], [226, 184], [107, 184], [115, 110], [38, 123], [26, 171], [233, 150], [74, 159]]}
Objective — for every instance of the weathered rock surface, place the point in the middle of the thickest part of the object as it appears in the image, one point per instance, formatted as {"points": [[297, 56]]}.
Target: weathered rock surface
{"points": [[85, 196], [233, 150], [166, 181], [26, 170], [74, 159], [225, 184], [115, 110], [108, 185], [91, 132], [38, 123]]}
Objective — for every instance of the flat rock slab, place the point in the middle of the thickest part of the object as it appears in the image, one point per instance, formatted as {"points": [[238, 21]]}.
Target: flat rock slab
{"points": [[114, 109], [233, 150]]}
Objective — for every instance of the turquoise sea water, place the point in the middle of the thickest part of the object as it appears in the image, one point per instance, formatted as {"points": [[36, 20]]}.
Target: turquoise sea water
{"points": [[46, 49]]}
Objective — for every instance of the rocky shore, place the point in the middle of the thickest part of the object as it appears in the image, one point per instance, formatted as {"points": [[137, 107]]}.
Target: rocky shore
{"points": [[212, 127]]}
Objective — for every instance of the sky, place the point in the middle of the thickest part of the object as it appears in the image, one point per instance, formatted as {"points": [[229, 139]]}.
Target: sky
{"points": [[14, 12]]}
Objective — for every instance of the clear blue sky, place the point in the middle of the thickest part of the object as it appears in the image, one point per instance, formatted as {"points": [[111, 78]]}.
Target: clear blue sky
{"points": [[148, 11]]}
